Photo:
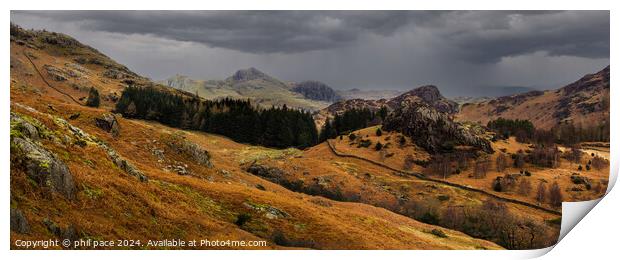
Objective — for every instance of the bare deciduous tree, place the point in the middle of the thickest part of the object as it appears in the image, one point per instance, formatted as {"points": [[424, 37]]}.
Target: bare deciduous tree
{"points": [[555, 195], [501, 162], [441, 166], [575, 154], [525, 187], [541, 192], [409, 162], [599, 163], [481, 168], [519, 159]]}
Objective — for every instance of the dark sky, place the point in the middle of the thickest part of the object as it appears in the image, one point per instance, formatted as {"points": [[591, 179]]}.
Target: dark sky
{"points": [[458, 51]]}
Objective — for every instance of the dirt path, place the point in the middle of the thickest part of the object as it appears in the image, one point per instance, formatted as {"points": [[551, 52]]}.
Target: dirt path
{"points": [[423, 177], [47, 83]]}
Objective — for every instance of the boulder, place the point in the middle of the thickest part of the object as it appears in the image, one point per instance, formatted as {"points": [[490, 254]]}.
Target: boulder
{"points": [[43, 167], [179, 169], [52, 227], [56, 73], [74, 116], [114, 74], [70, 232], [109, 124], [126, 166], [192, 150], [19, 223], [24, 128], [271, 212]]}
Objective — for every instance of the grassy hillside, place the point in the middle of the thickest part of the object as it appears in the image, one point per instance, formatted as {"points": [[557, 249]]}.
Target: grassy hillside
{"points": [[133, 179], [584, 103]]}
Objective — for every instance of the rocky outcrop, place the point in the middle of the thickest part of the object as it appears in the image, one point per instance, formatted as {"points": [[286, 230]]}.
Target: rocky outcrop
{"points": [[19, 223], [69, 233], [56, 73], [79, 137], [118, 160], [428, 94], [270, 173], [109, 124], [316, 90], [431, 129], [192, 150], [43, 167], [114, 74], [39, 164], [269, 211], [126, 166]]}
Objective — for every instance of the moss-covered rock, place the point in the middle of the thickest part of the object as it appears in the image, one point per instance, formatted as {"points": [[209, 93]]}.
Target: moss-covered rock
{"points": [[43, 166]]}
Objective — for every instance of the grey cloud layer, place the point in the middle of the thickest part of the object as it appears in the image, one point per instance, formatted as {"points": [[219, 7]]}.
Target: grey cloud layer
{"points": [[455, 50], [473, 36]]}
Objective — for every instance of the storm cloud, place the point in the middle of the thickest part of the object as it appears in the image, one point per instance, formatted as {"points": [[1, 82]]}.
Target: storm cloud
{"points": [[366, 49]]}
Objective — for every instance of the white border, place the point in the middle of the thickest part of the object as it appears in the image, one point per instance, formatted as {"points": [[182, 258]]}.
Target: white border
{"points": [[595, 236]]}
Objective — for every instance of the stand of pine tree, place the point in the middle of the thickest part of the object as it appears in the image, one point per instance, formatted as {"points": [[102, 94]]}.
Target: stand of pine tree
{"points": [[236, 119], [350, 120]]}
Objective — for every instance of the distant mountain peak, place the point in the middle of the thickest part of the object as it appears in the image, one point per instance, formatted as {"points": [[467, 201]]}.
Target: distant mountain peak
{"points": [[316, 90], [249, 74]]}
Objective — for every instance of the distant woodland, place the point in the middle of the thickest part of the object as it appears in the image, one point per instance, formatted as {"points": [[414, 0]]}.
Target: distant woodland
{"points": [[236, 119]]}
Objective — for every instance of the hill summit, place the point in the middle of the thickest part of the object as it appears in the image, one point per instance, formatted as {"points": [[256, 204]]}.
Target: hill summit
{"points": [[249, 74], [316, 90]]}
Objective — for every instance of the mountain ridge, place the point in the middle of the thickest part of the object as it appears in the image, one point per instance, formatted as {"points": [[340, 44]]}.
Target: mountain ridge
{"points": [[582, 103]]}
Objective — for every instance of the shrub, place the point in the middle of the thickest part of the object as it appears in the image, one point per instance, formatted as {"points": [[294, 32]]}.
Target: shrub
{"points": [[409, 162], [364, 143], [525, 187], [599, 163], [242, 219], [378, 146], [500, 162], [555, 221], [580, 168], [352, 136], [481, 167], [378, 132], [402, 141], [497, 185], [93, 98], [430, 218], [518, 159], [443, 197], [438, 233]]}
